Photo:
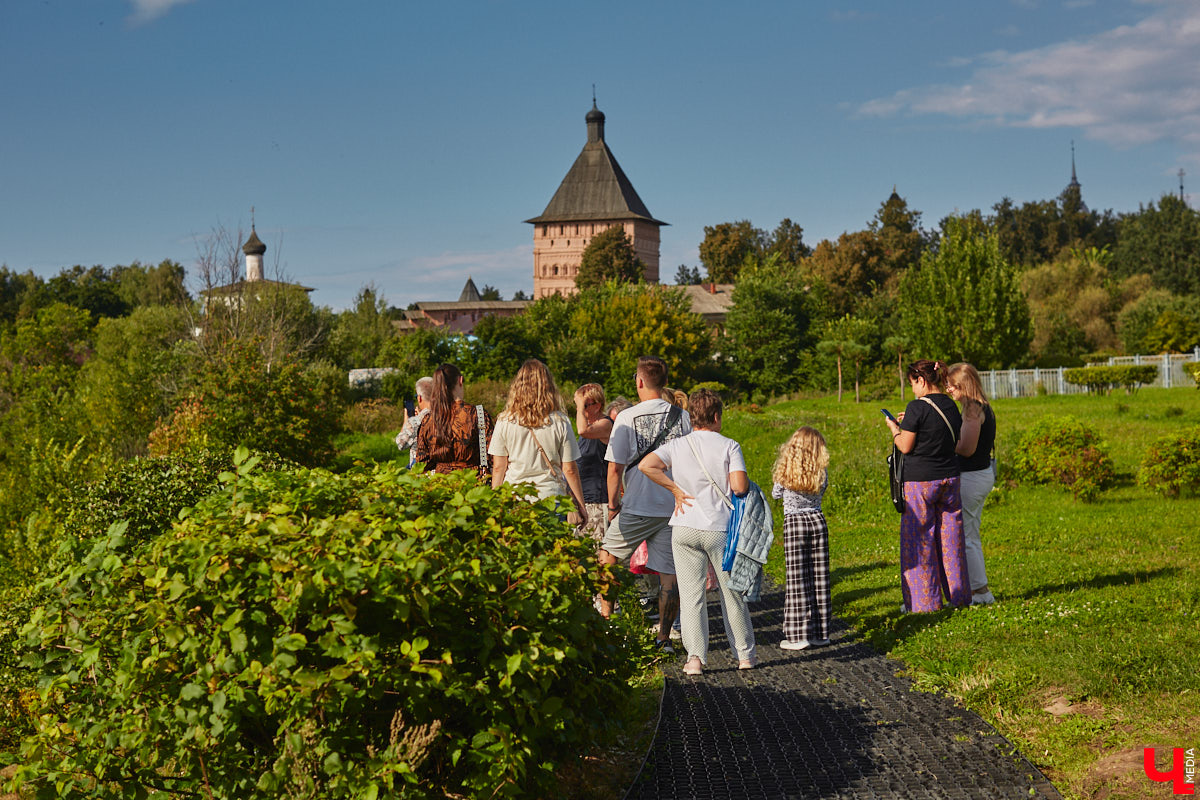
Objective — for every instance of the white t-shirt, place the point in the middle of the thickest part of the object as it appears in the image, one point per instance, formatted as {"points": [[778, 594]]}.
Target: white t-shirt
{"points": [[634, 430], [525, 462], [721, 456]]}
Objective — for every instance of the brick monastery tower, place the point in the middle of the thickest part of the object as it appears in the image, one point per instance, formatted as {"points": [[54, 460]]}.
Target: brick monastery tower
{"points": [[593, 197]]}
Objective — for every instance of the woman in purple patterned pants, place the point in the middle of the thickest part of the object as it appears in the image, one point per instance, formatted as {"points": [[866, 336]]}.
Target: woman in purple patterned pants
{"points": [[932, 549]]}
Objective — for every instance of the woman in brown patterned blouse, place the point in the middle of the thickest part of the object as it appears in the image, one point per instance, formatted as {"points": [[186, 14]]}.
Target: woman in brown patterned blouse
{"points": [[449, 438]]}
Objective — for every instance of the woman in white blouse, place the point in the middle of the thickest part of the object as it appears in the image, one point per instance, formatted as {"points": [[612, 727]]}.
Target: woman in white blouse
{"points": [[705, 468], [534, 442]]}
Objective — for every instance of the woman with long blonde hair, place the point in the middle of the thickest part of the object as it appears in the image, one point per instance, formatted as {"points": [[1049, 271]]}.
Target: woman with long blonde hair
{"points": [[974, 449], [801, 476], [533, 441]]}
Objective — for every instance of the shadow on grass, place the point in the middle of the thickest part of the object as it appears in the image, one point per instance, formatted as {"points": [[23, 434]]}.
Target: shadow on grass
{"points": [[1129, 578]]}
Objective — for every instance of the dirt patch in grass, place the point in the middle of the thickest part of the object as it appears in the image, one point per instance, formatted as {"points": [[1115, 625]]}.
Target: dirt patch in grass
{"points": [[1060, 706]]}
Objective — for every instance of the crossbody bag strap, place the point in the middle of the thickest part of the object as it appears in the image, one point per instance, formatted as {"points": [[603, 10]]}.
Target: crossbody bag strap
{"points": [[672, 418], [557, 472], [483, 459], [943, 416], [708, 474]]}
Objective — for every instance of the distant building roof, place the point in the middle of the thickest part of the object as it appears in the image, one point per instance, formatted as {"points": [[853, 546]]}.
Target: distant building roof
{"points": [[478, 305], [595, 187], [241, 286], [711, 301]]}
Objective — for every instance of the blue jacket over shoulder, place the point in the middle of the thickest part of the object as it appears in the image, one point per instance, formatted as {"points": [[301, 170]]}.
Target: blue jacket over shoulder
{"points": [[756, 535]]}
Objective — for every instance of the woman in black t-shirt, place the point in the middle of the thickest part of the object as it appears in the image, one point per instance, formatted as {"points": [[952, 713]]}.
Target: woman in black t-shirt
{"points": [[975, 460], [932, 552]]}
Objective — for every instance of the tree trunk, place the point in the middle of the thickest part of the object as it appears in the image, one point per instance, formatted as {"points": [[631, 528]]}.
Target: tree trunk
{"points": [[857, 376], [900, 372], [839, 378]]}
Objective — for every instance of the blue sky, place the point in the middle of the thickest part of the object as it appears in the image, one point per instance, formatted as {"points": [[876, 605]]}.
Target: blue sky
{"points": [[402, 144]]}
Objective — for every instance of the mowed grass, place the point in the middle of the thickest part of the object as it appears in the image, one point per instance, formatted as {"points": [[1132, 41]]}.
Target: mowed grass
{"points": [[1090, 653]]}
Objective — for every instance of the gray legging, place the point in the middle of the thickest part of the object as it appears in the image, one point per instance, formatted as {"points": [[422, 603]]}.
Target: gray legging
{"points": [[693, 550]]}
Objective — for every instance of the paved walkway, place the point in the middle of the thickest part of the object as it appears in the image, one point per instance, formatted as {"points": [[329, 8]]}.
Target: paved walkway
{"points": [[829, 722]]}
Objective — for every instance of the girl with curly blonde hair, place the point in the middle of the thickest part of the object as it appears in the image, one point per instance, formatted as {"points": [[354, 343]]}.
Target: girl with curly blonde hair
{"points": [[533, 441], [801, 476]]}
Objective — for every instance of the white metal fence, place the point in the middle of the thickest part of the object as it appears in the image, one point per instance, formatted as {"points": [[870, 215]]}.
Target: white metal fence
{"points": [[1028, 382]]}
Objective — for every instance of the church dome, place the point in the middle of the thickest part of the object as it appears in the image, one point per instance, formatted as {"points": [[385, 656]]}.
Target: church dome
{"points": [[254, 245]]}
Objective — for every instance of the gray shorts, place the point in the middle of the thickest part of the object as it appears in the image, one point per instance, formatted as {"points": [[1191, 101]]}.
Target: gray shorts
{"points": [[627, 531]]}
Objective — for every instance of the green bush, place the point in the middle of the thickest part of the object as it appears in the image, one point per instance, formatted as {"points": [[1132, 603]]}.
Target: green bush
{"points": [[1172, 464], [1064, 451], [1193, 368], [1103, 379], [374, 634], [146, 494], [272, 406]]}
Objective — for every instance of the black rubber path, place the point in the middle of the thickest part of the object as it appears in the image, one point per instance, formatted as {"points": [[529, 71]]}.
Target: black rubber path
{"points": [[828, 722]]}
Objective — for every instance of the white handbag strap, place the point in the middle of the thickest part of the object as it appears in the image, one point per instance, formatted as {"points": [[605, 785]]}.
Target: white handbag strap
{"points": [[716, 485], [483, 459], [943, 416]]}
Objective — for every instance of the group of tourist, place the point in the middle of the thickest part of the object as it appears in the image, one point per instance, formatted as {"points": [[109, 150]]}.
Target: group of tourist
{"points": [[659, 475]]}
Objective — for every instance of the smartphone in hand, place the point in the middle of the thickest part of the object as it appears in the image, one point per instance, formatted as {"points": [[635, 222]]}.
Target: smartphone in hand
{"points": [[888, 414], [410, 407]]}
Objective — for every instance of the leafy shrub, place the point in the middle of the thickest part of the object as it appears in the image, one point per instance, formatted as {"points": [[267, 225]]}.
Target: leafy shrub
{"points": [[1064, 451], [1172, 464], [1193, 368], [373, 416], [146, 494], [1103, 379], [378, 633], [712, 386], [271, 406], [1172, 411]]}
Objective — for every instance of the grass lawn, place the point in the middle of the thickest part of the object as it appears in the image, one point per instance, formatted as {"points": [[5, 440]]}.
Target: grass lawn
{"points": [[1090, 653]]}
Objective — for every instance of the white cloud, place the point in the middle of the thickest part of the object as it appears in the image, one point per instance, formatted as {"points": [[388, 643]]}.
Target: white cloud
{"points": [[1127, 86], [148, 10]]}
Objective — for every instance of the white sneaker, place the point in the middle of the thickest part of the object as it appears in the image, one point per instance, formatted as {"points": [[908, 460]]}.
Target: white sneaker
{"points": [[799, 644]]}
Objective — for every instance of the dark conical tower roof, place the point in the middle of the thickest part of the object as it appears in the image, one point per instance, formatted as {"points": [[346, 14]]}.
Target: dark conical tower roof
{"points": [[469, 293], [595, 187]]}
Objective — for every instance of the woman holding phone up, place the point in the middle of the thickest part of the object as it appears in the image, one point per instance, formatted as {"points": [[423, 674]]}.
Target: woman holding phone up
{"points": [[932, 553]]}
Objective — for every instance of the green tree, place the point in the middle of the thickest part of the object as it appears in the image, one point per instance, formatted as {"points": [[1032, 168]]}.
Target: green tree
{"points": [[501, 346], [274, 406], [727, 246], [853, 269], [609, 327], [1073, 303], [1159, 321], [899, 232], [489, 292], [769, 328], [898, 345], [688, 276], [360, 335], [609, 256], [964, 302], [163, 285], [141, 365], [845, 338], [788, 241], [1163, 242]]}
